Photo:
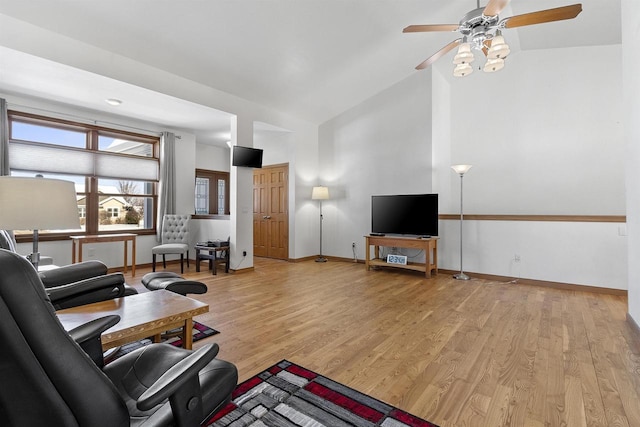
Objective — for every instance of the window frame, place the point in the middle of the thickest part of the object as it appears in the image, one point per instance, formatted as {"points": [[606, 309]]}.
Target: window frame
{"points": [[91, 194], [214, 176]]}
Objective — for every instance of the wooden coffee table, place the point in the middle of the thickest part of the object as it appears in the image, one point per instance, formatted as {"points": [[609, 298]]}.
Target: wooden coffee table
{"points": [[141, 316]]}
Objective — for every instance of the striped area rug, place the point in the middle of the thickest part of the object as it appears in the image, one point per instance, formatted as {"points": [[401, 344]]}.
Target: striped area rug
{"points": [[199, 332], [287, 395]]}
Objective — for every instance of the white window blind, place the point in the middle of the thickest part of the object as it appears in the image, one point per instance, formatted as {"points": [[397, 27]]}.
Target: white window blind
{"points": [[60, 159]]}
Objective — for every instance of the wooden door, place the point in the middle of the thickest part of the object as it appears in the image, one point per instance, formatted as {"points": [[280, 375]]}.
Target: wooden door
{"points": [[270, 212]]}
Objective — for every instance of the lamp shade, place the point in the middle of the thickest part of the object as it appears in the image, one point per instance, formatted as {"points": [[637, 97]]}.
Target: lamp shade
{"points": [[493, 65], [38, 204], [464, 55], [499, 48], [320, 193], [462, 70], [461, 169]]}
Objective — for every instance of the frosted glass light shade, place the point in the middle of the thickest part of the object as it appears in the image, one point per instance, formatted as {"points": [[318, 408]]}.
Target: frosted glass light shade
{"points": [[462, 70], [464, 55], [38, 204], [320, 193], [499, 48], [461, 169], [493, 65]]}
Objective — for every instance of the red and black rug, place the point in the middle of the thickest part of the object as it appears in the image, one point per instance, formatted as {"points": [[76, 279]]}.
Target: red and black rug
{"points": [[288, 395]]}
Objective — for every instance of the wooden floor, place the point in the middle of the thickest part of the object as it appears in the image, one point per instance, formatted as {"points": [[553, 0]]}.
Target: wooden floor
{"points": [[456, 353]]}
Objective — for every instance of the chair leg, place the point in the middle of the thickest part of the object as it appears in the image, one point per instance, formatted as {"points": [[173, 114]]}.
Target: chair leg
{"points": [[164, 261], [181, 263], [153, 263], [187, 258]]}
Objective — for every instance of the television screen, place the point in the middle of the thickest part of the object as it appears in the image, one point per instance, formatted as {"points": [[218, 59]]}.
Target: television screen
{"points": [[412, 214], [246, 157]]}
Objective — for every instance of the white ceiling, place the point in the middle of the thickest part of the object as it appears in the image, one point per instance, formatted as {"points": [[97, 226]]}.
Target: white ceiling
{"points": [[310, 58]]}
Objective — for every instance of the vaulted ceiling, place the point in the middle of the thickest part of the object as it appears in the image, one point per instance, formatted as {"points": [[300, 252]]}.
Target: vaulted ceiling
{"points": [[310, 58]]}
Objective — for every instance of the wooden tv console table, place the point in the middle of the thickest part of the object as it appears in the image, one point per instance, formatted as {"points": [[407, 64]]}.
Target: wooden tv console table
{"points": [[428, 244]]}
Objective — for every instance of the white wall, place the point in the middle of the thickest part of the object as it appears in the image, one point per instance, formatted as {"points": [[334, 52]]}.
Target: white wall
{"points": [[212, 157], [382, 146], [216, 158], [544, 136], [631, 84], [582, 253]]}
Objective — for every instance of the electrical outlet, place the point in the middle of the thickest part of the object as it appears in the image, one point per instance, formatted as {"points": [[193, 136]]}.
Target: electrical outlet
{"points": [[244, 253], [516, 257], [353, 245]]}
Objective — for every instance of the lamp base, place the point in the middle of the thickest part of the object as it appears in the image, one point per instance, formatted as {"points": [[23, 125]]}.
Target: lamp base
{"points": [[321, 259], [461, 276]]}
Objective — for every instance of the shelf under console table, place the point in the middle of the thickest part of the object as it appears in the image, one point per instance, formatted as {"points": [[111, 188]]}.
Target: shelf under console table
{"points": [[428, 244]]}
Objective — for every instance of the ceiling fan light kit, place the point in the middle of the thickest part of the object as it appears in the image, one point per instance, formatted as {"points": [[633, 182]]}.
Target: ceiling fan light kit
{"points": [[499, 48], [481, 30], [493, 65], [462, 70], [464, 55]]}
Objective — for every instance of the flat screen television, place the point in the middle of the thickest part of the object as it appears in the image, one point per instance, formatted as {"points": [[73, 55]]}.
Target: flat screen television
{"points": [[246, 157], [408, 214]]}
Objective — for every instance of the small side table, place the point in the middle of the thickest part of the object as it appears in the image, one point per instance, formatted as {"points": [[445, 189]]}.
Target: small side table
{"points": [[211, 253], [123, 237]]}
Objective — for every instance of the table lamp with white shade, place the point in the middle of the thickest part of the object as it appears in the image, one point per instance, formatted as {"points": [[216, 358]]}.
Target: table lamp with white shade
{"points": [[37, 204]]}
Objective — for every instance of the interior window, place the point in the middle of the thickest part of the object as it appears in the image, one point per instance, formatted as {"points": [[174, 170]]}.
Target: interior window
{"points": [[212, 192]]}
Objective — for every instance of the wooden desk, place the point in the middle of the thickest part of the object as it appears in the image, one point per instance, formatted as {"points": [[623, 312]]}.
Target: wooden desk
{"points": [[429, 245], [123, 237], [141, 316]]}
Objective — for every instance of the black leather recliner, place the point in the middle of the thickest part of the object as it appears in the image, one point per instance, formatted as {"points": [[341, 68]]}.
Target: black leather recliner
{"points": [[83, 283], [48, 380]]}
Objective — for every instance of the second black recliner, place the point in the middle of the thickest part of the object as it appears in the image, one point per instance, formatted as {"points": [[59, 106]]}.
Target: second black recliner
{"points": [[83, 283]]}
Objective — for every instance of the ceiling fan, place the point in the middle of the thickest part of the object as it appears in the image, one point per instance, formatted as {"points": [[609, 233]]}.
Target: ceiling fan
{"points": [[481, 29]]}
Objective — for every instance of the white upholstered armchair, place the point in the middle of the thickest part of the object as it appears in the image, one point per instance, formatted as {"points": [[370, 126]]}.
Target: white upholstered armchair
{"points": [[175, 240]]}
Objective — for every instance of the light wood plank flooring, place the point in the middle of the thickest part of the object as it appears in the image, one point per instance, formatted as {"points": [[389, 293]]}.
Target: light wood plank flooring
{"points": [[475, 353]]}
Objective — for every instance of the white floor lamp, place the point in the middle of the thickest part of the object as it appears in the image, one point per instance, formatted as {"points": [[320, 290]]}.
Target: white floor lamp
{"points": [[461, 170], [320, 193]]}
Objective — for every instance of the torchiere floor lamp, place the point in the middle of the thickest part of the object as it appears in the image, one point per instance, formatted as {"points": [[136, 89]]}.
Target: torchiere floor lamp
{"points": [[320, 193], [461, 170]]}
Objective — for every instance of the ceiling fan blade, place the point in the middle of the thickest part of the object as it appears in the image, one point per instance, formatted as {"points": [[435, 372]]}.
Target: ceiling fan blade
{"points": [[433, 58], [428, 28], [542, 16], [494, 7], [486, 46]]}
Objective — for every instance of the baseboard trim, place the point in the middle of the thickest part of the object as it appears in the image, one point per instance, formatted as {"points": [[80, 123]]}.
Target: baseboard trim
{"points": [[542, 283], [242, 270], [496, 278]]}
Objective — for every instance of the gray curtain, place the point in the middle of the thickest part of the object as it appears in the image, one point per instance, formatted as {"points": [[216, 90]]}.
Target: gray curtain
{"points": [[167, 186], [4, 138]]}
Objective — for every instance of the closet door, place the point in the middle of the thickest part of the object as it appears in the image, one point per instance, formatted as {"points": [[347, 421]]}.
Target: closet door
{"points": [[270, 212]]}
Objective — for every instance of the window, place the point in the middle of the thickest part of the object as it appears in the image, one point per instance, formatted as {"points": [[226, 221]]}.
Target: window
{"points": [[113, 212], [212, 192], [115, 172]]}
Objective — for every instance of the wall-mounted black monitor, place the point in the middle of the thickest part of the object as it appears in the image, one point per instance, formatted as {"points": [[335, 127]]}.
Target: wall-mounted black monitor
{"points": [[246, 157], [410, 214]]}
